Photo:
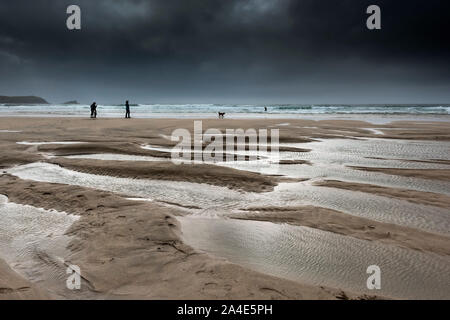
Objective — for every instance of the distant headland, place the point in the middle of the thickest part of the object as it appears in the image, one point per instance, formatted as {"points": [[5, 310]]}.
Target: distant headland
{"points": [[22, 100]]}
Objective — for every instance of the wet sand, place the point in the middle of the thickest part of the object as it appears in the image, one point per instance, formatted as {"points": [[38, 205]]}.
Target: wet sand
{"points": [[15, 287], [345, 224], [132, 250], [426, 198], [214, 175], [432, 174], [135, 249]]}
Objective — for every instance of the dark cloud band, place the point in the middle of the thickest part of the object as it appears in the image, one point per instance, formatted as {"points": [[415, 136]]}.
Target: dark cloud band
{"points": [[247, 50]]}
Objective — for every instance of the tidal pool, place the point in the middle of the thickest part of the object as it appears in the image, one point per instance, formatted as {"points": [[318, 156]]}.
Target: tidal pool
{"points": [[320, 258]]}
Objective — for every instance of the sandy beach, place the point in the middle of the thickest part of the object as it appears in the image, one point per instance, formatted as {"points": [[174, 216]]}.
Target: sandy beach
{"points": [[127, 214]]}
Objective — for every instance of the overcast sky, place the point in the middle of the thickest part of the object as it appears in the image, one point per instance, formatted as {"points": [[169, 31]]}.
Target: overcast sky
{"points": [[226, 51]]}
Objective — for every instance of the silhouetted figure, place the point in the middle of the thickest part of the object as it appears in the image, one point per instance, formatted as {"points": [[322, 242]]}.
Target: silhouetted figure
{"points": [[127, 110], [94, 110], [265, 109], [221, 115]]}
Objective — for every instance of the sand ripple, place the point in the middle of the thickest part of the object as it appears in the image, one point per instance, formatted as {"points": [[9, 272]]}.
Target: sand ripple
{"points": [[320, 258]]}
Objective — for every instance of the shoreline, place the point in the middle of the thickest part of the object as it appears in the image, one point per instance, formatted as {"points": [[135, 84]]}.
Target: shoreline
{"points": [[375, 119]]}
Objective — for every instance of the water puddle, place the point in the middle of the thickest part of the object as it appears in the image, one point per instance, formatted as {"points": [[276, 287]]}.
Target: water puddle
{"points": [[114, 157], [284, 124], [333, 159], [221, 201], [254, 154], [191, 194], [359, 204], [374, 131], [320, 258], [348, 151], [28, 143]]}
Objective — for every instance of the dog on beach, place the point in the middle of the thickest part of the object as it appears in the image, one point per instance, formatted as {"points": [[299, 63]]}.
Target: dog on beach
{"points": [[221, 115]]}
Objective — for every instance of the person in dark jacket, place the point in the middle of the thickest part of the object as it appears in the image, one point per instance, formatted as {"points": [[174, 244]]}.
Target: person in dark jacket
{"points": [[94, 110], [127, 110]]}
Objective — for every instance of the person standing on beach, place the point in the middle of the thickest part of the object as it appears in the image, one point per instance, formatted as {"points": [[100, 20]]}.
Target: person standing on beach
{"points": [[127, 110], [94, 110]]}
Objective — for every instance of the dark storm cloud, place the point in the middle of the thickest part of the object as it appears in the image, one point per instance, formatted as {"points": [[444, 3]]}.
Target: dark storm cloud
{"points": [[227, 50]]}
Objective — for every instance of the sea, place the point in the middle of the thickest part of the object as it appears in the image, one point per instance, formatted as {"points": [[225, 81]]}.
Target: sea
{"points": [[435, 112]]}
